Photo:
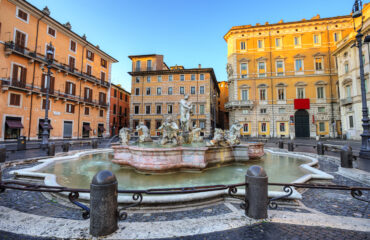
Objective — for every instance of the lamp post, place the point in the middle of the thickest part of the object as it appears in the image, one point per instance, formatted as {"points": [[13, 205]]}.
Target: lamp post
{"points": [[50, 60], [364, 156]]}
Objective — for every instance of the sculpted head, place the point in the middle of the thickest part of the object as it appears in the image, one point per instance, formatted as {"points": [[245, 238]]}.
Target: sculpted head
{"points": [[186, 97]]}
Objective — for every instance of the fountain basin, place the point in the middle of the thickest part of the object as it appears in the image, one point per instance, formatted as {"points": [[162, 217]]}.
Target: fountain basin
{"points": [[158, 159]]}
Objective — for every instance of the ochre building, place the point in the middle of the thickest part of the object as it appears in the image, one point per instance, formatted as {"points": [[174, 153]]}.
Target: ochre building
{"points": [[79, 85], [157, 89], [119, 109], [283, 78], [223, 98]]}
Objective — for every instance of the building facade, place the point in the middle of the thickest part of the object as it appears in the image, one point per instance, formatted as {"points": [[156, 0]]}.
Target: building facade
{"points": [[79, 84], [157, 89], [223, 98], [349, 78], [282, 77], [119, 109]]}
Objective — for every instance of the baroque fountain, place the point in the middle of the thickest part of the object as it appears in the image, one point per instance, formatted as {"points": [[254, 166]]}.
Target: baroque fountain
{"points": [[182, 148]]}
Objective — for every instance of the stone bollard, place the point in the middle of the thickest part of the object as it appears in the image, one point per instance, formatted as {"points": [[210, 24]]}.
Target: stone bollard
{"points": [[346, 157], [320, 148], [51, 149], [281, 144], [291, 147], [257, 199], [2, 153], [94, 144], [65, 146], [103, 204]]}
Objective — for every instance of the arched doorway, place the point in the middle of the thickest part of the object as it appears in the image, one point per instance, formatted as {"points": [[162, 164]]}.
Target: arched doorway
{"points": [[302, 123]]}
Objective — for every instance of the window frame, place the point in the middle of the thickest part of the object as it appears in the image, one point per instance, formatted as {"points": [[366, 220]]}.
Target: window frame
{"points": [[47, 31], [20, 100], [70, 46], [16, 14]]}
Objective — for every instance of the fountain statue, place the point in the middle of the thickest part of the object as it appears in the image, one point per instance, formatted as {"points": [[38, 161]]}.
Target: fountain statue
{"points": [[218, 138], [195, 135], [185, 112], [169, 132], [233, 135], [145, 133], [124, 135]]}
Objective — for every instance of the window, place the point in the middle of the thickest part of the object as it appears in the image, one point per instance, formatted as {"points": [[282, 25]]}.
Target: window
{"points": [[103, 62], [87, 110], [261, 69], [51, 31], [72, 46], [192, 90], [169, 109], [280, 68], [245, 94], [182, 77], [89, 55], [192, 77], [336, 37], [148, 91], [281, 94], [297, 41], [20, 40], [193, 108], [67, 129], [350, 120], [201, 109], [88, 94], [260, 44], [148, 78], [14, 99], [282, 110], [19, 75], [246, 127], [137, 91], [158, 124], [72, 63], [263, 110], [320, 92], [298, 65], [182, 90], [70, 88], [137, 108], [170, 78], [70, 108], [242, 45], [159, 91], [322, 126], [170, 91], [114, 109], [201, 90], [321, 109], [159, 109], [282, 127], [202, 124], [147, 109], [88, 70], [149, 65], [348, 91], [201, 76], [120, 95], [101, 113], [22, 15], [159, 78], [138, 63], [346, 68], [300, 93], [137, 79], [102, 76], [13, 133], [126, 98], [243, 70], [263, 127], [318, 64], [262, 94], [278, 42], [115, 93], [102, 98], [316, 39]]}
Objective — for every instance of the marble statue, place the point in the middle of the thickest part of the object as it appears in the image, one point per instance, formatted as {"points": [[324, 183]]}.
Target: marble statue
{"points": [[185, 112], [145, 133], [218, 138], [124, 135], [233, 135], [229, 70], [195, 135], [169, 132]]}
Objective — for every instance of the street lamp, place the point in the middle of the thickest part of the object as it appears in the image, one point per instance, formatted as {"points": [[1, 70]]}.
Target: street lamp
{"points": [[364, 156], [50, 60]]}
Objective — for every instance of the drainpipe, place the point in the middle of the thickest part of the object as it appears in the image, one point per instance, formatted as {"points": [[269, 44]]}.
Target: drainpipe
{"points": [[79, 107], [33, 76], [331, 87]]}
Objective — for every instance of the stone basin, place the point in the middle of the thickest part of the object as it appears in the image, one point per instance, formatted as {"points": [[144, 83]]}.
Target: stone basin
{"points": [[154, 158]]}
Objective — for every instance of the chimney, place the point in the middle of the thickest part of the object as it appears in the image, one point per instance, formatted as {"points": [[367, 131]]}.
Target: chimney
{"points": [[199, 65]]}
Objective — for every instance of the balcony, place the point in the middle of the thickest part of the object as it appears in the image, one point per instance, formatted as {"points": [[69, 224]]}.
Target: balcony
{"points": [[6, 83], [103, 103], [346, 101], [239, 104]]}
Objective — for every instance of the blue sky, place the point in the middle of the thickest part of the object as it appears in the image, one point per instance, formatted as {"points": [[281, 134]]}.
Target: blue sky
{"points": [[187, 32]]}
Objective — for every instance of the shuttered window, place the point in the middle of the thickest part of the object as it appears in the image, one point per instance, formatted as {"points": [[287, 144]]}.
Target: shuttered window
{"points": [[70, 88], [72, 63], [88, 70], [20, 39], [67, 130], [70, 108], [89, 55], [103, 63], [19, 74], [87, 110], [51, 31], [102, 76], [73, 46], [15, 99], [22, 15]]}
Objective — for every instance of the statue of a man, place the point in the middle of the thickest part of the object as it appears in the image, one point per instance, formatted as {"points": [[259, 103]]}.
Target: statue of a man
{"points": [[145, 133], [229, 70], [124, 135], [233, 135], [185, 111], [169, 131]]}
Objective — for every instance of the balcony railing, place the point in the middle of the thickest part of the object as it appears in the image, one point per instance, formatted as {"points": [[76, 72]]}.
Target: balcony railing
{"points": [[239, 104], [346, 101]]}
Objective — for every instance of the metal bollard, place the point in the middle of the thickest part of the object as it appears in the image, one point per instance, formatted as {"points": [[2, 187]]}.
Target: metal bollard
{"points": [[281, 144], [256, 190], [94, 144], [346, 157], [290, 146], [51, 149], [320, 148], [2, 153], [103, 204], [65, 146]]}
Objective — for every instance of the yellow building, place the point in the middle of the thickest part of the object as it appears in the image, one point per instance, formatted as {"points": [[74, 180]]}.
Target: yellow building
{"points": [[79, 85], [282, 77]]}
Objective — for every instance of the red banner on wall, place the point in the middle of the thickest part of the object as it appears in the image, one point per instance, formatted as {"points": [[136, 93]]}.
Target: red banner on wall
{"points": [[302, 103]]}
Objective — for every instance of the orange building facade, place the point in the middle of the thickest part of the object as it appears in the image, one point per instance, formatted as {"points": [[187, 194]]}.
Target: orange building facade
{"points": [[223, 98], [79, 84], [119, 109]]}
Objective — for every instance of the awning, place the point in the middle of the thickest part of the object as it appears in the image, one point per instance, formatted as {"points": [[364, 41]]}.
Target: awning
{"points": [[101, 128], [87, 128], [14, 124], [42, 125]]}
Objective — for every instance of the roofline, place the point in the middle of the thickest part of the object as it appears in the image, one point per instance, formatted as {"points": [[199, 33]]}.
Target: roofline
{"points": [[145, 55], [115, 85], [40, 13], [284, 23]]}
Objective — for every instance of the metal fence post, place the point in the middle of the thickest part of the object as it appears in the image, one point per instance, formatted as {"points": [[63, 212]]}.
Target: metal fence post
{"points": [[320, 148], [257, 182], [51, 149], [281, 144], [103, 204], [2, 153], [346, 157], [291, 146]]}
